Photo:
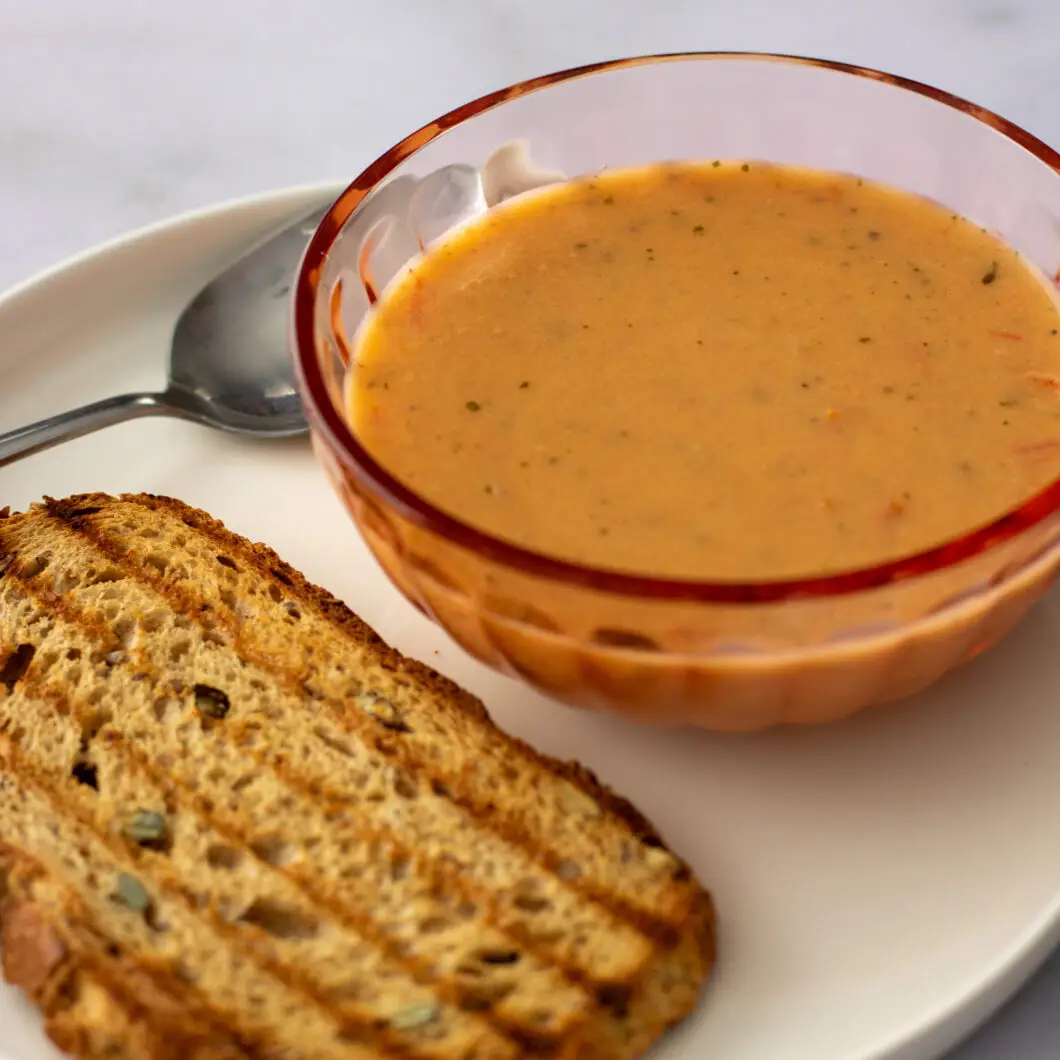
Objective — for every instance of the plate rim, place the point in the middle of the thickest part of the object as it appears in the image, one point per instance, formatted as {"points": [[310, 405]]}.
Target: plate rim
{"points": [[142, 233], [953, 1021]]}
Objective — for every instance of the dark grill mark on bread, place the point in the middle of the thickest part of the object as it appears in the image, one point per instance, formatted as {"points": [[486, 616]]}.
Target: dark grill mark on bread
{"points": [[630, 907], [113, 738], [175, 902], [352, 829], [146, 994]]}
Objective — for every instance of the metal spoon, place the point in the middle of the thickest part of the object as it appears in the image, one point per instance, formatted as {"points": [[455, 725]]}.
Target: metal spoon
{"points": [[229, 367]]}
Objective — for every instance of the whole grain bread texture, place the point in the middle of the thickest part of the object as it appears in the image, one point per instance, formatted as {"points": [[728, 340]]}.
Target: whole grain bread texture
{"points": [[234, 823]]}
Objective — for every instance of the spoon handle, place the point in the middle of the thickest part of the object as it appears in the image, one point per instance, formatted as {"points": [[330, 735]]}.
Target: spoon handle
{"points": [[73, 424]]}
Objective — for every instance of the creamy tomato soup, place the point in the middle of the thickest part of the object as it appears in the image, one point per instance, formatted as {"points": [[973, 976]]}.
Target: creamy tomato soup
{"points": [[716, 371]]}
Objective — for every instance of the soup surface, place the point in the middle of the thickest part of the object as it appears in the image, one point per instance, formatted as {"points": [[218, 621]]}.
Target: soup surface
{"points": [[717, 371]]}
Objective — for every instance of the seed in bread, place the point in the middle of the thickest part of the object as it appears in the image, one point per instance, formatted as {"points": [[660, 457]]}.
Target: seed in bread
{"points": [[236, 824]]}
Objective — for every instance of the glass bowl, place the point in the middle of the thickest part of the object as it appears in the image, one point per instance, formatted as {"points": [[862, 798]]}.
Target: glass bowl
{"points": [[730, 656]]}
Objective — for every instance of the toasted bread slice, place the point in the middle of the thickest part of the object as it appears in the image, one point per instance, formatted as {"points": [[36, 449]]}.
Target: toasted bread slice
{"points": [[237, 824]]}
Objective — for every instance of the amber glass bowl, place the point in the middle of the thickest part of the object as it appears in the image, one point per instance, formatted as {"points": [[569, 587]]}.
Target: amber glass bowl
{"points": [[736, 656]]}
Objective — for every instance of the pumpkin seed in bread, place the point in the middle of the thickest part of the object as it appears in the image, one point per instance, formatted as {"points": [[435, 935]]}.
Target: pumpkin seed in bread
{"points": [[237, 824]]}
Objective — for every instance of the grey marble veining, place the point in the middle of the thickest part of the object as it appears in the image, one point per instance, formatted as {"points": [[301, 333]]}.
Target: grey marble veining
{"points": [[115, 113]]}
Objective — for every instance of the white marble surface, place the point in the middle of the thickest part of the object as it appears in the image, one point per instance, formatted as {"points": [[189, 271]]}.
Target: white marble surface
{"points": [[114, 113]]}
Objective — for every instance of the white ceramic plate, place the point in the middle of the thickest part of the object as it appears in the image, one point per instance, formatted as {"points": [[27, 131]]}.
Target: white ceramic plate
{"points": [[882, 884]]}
